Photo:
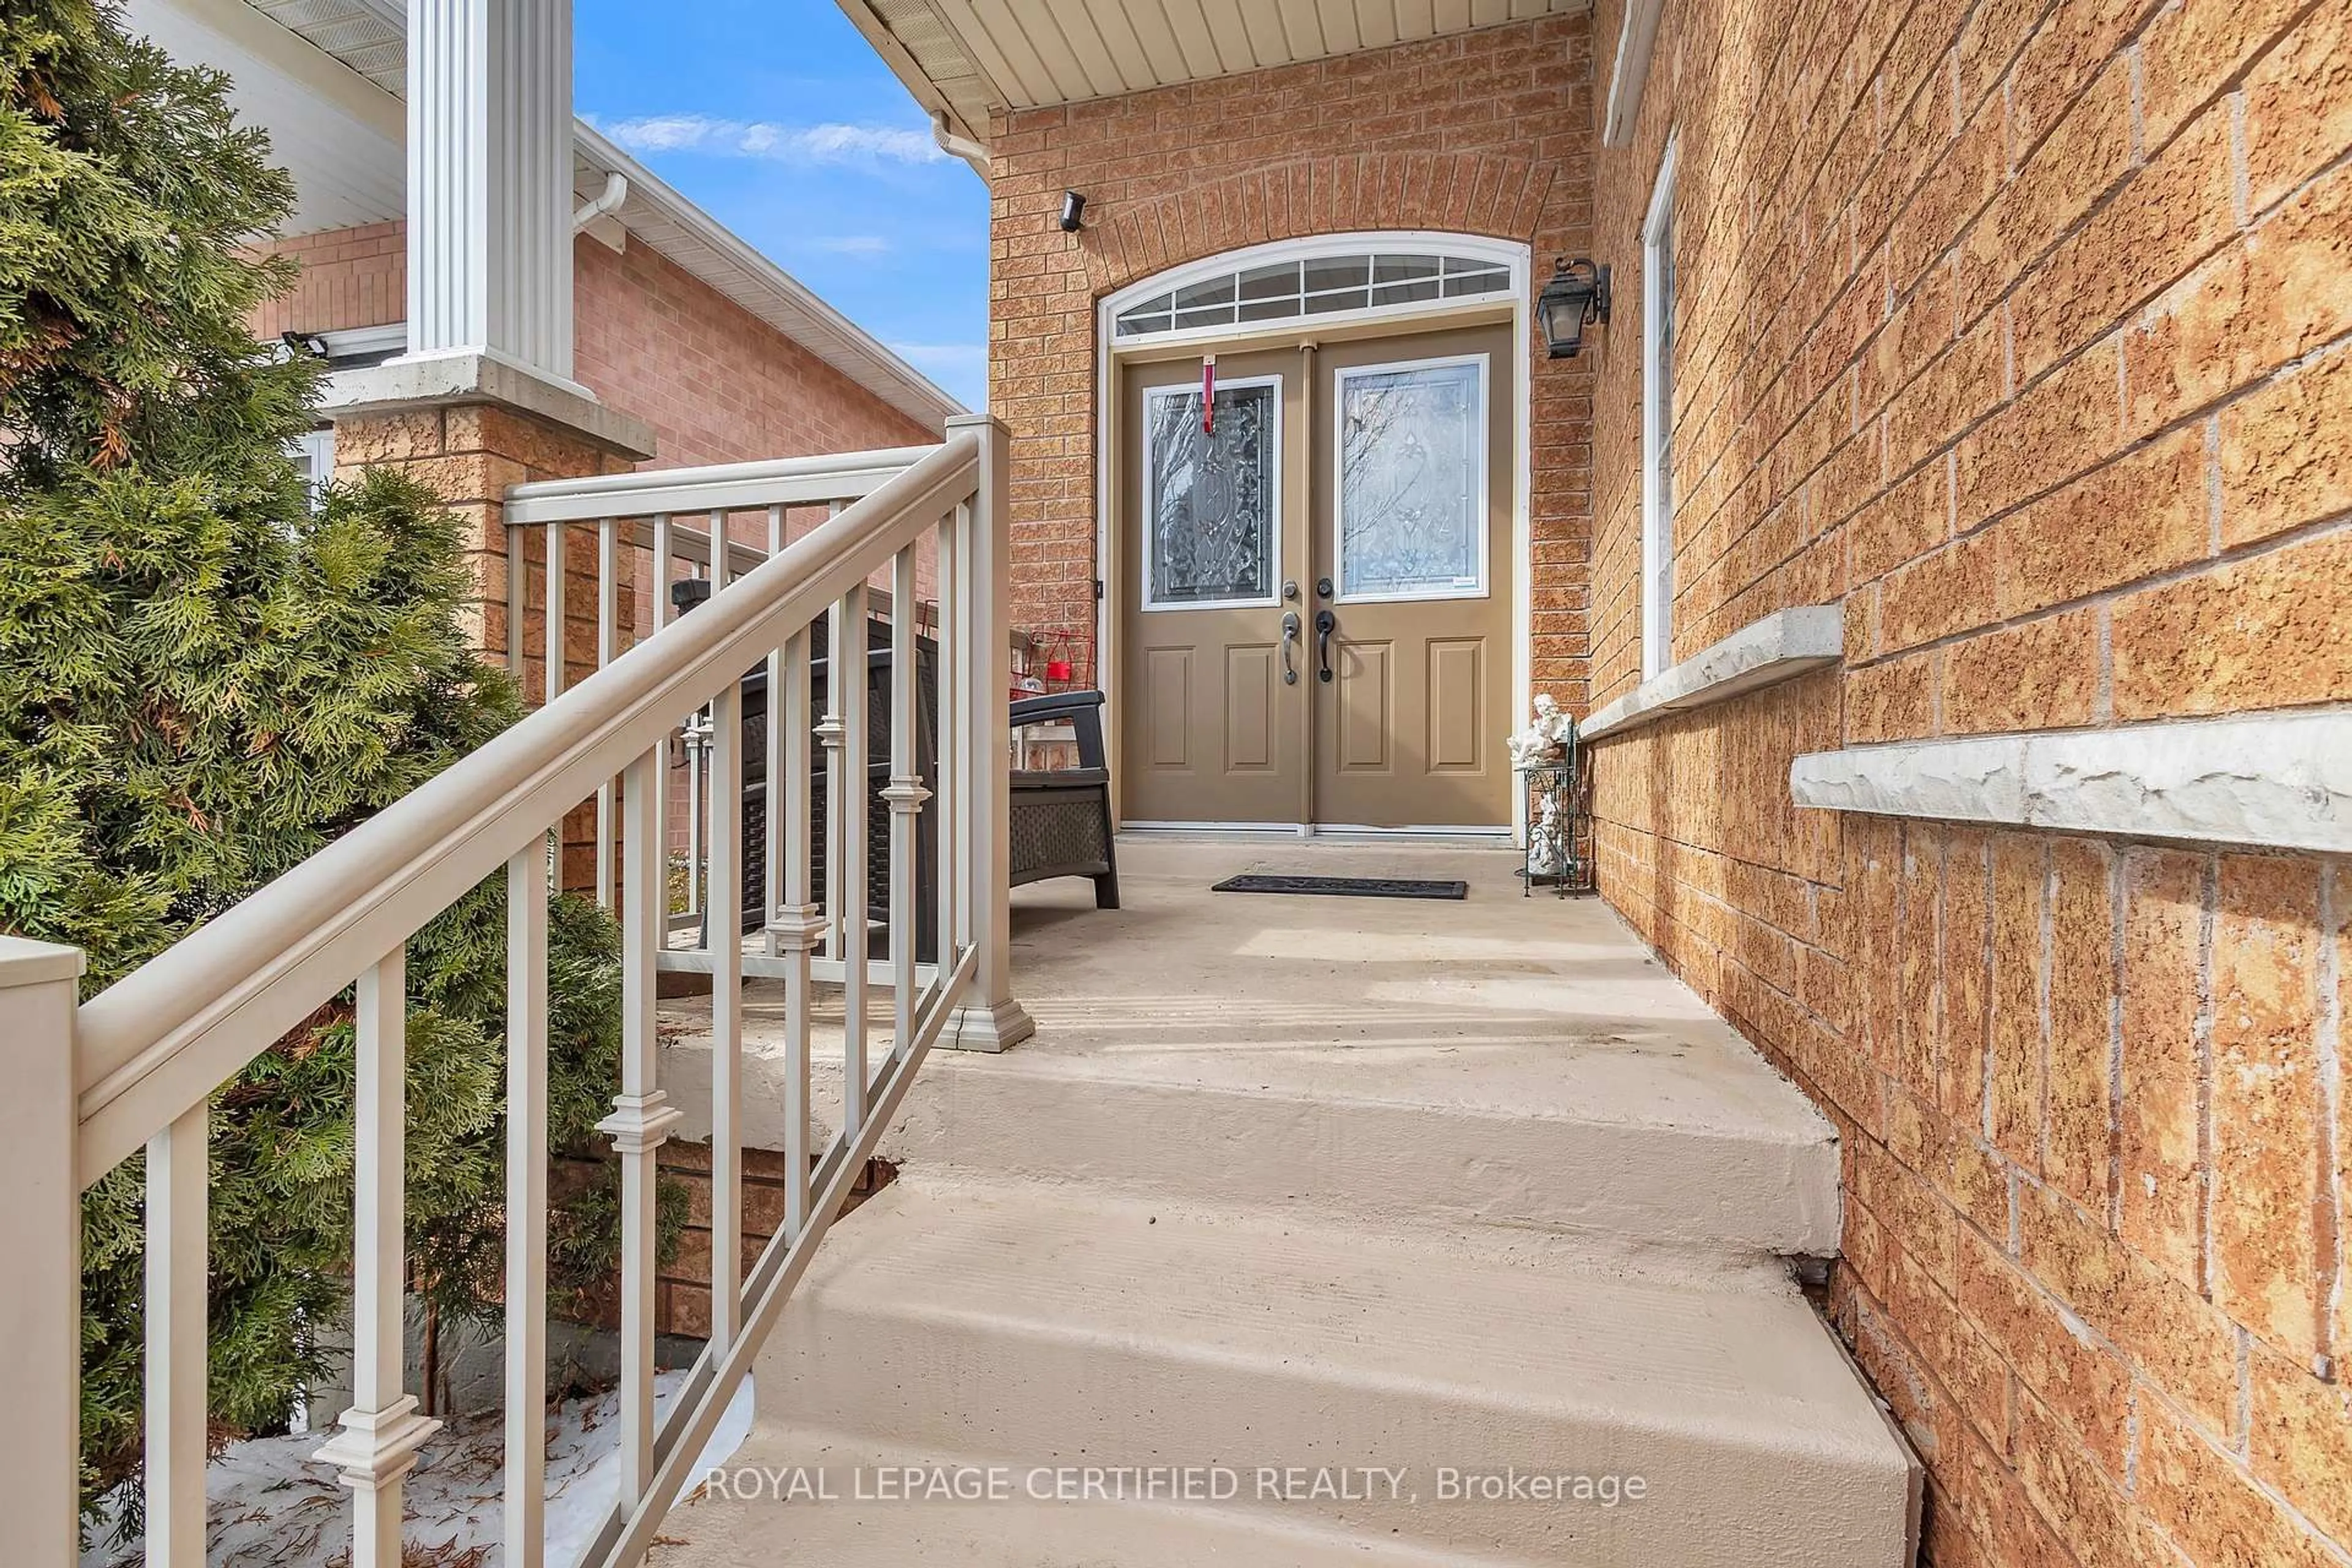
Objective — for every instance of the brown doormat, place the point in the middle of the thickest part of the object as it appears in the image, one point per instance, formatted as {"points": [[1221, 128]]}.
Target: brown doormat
{"points": [[1345, 887]]}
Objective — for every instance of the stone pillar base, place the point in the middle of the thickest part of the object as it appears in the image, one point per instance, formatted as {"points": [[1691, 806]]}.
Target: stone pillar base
{"points": [[470, 453]]}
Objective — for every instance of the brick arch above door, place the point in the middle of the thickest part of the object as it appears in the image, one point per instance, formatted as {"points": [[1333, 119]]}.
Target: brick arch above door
{"points": [[1467, 192]]}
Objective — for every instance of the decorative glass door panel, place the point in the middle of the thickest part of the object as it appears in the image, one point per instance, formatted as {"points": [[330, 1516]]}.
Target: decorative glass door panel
{"points": [[1277, 668], [1412, 522], [1413, 501], [1213, 708], [1211, 496]]}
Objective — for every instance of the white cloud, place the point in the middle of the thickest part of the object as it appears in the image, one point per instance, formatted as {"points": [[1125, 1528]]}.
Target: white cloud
{"points": [[826, 144], [853, 245]]}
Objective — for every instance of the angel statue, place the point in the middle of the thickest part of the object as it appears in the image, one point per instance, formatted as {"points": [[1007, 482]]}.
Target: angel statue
{"points": [[1546, 739]]}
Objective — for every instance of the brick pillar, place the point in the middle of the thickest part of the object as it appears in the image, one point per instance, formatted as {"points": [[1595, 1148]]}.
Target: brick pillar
{"points": [[469, 453]]}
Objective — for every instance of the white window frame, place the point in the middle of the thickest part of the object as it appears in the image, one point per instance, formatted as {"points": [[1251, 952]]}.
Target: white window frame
{"points": [[1657, 425], [1478, 479], [318, 449], [1152, 604]]}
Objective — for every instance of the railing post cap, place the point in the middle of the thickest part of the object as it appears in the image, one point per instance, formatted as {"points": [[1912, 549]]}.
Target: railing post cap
{"points": [[24, 962], [980, 421]]}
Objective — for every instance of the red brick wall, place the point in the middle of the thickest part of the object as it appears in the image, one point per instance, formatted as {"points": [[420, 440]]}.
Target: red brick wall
{"points": [[1485, 133], [2025, 330], [717, 384]]}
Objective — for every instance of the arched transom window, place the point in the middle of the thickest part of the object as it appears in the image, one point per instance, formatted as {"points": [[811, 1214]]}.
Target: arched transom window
{"points": [[1349, 280]]}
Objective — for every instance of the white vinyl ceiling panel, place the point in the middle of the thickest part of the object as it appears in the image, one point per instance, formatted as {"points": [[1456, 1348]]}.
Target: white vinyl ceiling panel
{"points": [[974, 55]]}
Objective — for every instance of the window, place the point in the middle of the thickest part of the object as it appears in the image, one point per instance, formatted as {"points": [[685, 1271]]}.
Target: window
{"points": [[1361, 280], [1211, 497], [1413, 480], [314, 455], [1658, 424]]}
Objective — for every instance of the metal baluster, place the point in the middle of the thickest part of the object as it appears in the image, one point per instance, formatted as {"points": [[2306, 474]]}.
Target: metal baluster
{"points": [[722, 925], [905, 794], [555, 613], [771, 861], [642, 1116], [948, 758], [798, 925], [698, 849], [828, 734], [382, 1431], [608, 647], [848, 813], [526, 1207], [663, 546], [555, 650], [518, 602], [178, 1350]]}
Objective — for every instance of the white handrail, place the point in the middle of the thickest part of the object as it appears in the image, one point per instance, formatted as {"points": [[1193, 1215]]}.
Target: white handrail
{"points": [[720, 487], [162, 1038], [138, 1063]]}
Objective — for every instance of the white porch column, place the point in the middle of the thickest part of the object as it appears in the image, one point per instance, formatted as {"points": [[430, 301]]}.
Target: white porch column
{"points": [[489, 183], [40, 1231], [984, 566]]}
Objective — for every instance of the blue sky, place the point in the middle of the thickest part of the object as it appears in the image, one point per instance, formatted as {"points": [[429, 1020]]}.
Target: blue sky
{"points": [[780, 121]]}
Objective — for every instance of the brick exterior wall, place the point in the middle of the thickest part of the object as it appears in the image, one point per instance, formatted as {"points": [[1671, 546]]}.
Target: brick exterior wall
{"points": [[717, 384], [1484, 132], [2025, 330]]}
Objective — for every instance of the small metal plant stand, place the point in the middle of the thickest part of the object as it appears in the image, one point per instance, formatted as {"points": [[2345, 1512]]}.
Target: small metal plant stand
{"points": [[1559, 827]]}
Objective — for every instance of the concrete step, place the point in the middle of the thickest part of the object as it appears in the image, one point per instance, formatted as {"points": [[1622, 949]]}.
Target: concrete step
{"points": [[1680, 1145], [1502, 1062], [1039, 1327], [745, 1522], [1635, 1150]]}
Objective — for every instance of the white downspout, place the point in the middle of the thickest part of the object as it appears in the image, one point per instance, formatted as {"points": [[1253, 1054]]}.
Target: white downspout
{"points": [[609, 200], [964, 147]]}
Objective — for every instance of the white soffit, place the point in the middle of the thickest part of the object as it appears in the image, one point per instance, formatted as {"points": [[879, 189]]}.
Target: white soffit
{"points": [[966, 57], [326, 77], [2277, 780], [331, 127]]}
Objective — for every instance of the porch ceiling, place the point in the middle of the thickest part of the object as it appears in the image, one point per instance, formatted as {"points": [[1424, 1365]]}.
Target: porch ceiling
{"points": [[965, 57]]}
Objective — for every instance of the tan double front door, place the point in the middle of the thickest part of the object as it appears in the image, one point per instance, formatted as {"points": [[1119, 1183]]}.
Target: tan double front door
{"points": [[1316, 612]]}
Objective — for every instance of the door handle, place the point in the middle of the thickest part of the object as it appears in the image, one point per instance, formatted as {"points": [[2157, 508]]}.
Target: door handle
{"points": [[1289, 639], [1325, 621]]}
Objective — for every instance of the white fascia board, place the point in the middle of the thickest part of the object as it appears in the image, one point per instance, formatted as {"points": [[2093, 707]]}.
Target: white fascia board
{"points": [[2279, 780], [1635, 42], [1780, 646]]}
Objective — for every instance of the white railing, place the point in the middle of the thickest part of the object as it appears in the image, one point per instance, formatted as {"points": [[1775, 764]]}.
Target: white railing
{"points": [[659, 530], [136, 1065]]}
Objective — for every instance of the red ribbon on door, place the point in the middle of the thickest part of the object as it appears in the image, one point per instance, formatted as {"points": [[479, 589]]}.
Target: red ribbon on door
{"points": [[1208, 394]]}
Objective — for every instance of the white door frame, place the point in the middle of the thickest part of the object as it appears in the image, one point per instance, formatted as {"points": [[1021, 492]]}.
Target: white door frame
{"points": [[1514, 254]]}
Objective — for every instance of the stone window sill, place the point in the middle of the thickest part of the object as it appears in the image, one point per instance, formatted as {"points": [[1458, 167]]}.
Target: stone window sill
{"points": [[2276, 780], [1780, 646]]}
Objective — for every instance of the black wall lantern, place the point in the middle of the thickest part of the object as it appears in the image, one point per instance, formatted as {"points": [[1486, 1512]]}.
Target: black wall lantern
{"points": [[1577, 293], [1073, 212]]}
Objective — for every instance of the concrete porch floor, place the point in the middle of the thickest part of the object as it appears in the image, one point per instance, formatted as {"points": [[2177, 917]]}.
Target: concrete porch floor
{"points": [[1531, 1004]]}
